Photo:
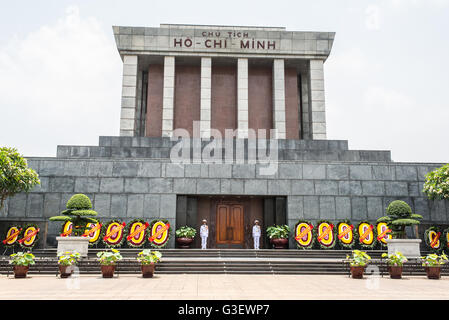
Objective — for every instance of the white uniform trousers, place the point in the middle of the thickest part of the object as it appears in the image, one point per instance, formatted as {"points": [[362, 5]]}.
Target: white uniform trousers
{"points": [[256, 242], [203, 242]]}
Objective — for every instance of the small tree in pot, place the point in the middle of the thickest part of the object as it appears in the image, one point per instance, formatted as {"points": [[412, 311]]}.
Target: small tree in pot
{"points": [[432, 262], [395, 263], [108, 260], [66, 262], [148, 259], [184, 236], [399, 215], [21, 262], [278, 236], [79, 213], [358, 261]]}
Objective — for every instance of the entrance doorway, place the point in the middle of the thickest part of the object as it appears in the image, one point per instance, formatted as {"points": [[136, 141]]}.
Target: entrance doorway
{"points": [[229, 225]]}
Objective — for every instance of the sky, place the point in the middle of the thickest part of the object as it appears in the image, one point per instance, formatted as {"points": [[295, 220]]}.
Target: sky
{"points": [[386, 79]]}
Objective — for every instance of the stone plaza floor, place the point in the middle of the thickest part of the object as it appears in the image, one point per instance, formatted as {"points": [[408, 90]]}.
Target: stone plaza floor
{"points": [[223, 287]]}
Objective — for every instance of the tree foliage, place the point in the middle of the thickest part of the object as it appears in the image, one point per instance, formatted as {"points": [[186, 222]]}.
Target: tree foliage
{"points": [[78, 212], [436, 185], [399, 215], [15, 176]]}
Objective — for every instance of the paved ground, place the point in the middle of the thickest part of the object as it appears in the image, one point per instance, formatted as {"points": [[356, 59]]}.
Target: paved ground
{"points": [[179, 287]]}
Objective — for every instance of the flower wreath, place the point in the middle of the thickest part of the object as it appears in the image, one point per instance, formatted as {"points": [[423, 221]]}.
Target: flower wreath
{"points": [[329, 242], [117, 241], [14, 240], [379, 231], [430, 234], [348, 240], [131, 227], [162, 240], [30, 242], [366, 244], [307, 241]]}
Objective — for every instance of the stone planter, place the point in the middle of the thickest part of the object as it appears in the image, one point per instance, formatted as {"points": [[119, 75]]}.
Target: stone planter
{"points": [[20, 271], [147, 270], [78, 244], [395, 272], [184, 243], [357, 272], [433, 272], [107, 271], [408, 247], [280, 243], [65, 271]]}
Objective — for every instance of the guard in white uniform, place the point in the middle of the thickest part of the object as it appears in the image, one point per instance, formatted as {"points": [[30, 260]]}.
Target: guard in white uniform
{"points": [[256, 234], [204, 233]]}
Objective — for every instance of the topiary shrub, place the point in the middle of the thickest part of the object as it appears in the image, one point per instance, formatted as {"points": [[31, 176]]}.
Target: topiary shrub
{"points": [[399, 215], [79, 202], [79, 213]]}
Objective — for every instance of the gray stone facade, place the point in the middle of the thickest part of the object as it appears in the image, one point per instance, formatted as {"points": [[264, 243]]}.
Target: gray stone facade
{"points": [[127, 187]]}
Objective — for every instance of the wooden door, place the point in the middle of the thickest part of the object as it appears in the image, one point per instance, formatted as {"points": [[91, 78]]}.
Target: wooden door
{"points": [[229, 228]]}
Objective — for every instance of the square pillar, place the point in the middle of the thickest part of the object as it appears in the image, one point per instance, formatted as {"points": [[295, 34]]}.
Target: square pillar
{"points": [[129, 96], [316, 101], [205, 107], [168, 96], [305, 105], [279, 99], [242, 98]]}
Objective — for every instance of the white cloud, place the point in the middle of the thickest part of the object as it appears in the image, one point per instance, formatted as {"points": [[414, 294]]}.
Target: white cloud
{"points": [[419, 3], [59, 85], [372, 17], [373, 114]]}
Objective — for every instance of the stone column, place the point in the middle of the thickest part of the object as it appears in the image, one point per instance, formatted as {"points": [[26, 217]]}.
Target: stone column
{"points": [[168, 96], [129, 90], [279, 98], [305, 125], [316, 102], [242, 98], [205, 109]]}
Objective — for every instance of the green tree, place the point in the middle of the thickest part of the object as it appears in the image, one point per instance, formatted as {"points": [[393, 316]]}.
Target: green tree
{"points": [[436, 185], [79, 213], [399, 215], [15, 176]]}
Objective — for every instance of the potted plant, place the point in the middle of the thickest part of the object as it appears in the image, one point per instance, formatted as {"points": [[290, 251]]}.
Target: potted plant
{"points": [[66, 262], [79, 212], [432, 262], [21, 262], [184, 236], [395, 262], [278, 236], [358, 261], [148, 259], [108, 260], [399, 216]]}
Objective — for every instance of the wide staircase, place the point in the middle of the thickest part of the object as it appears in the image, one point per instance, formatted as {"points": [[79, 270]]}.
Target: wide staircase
{"points": [[223, 261]]}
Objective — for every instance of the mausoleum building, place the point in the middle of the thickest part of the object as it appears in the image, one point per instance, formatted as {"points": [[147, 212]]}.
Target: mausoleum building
{"points": [[228, 124]]}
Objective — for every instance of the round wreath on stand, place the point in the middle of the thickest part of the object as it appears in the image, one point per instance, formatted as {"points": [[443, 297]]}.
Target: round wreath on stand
{"points": [[429, 236], [132, 226], [116, 240], [328, 241], [348, 240], [380, 227], [96, 236], [308, 240], [369, 242], [30, 242], [162, 240], [12, 229]]}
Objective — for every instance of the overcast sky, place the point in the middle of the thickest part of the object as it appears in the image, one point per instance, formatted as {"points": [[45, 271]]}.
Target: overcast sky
{"points": [[386, 78]]}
